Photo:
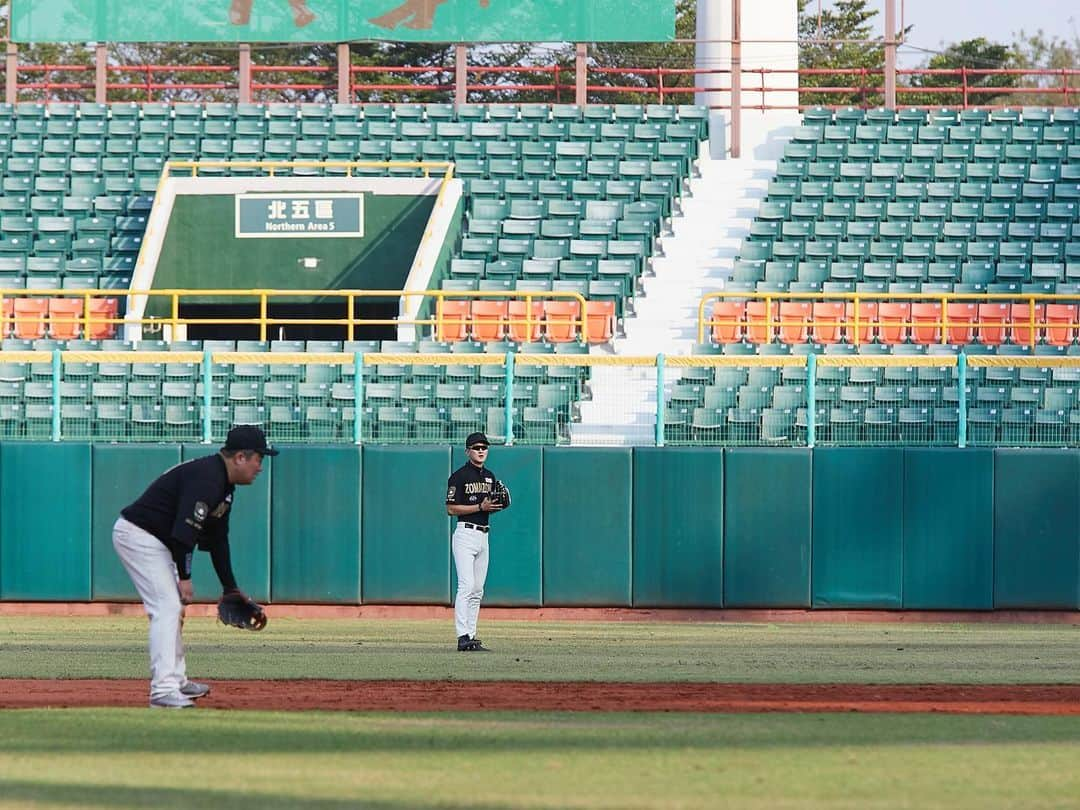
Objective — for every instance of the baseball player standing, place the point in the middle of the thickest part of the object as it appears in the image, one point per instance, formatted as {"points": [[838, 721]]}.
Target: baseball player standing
{"points": [[155, 537], [472, 494]]}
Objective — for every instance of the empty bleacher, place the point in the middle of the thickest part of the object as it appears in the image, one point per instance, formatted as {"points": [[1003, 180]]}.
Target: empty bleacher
{"points": [[559, 199], [913, 233], [413, 391], [914, 201]]}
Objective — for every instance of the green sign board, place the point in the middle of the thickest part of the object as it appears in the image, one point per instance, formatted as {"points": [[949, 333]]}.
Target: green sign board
{"points": [[342, 20], [295, 216]]}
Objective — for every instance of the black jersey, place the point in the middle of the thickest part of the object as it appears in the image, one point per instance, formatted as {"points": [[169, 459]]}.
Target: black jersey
{"points": [[467, 486], [188, 505]]}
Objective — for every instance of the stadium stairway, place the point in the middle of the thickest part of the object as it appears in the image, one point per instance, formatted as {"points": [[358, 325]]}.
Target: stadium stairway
{"points": [[697, 257]]}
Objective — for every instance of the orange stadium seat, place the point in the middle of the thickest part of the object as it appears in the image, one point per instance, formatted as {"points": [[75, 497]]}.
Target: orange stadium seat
{"points": [[451, 320], [525, 320], [761, 327], [828, 321], [561, 319], [100, 310], [962, 315], [1020, 319], [1060, 324], [867, 321], [7, 313], [599, 321], [925, 319], [728, 323], [992, 318], [795, 321], [893, 320], [30, 317], [64, 318], [489, 320]]}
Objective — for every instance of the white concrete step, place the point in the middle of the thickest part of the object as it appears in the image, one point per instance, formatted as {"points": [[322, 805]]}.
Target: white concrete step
{"points": [[696, 257], [612, 436]]}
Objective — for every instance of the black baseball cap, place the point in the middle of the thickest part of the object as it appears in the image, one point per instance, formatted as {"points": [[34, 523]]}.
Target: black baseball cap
{"points": [[476, 438], [249, 437]]}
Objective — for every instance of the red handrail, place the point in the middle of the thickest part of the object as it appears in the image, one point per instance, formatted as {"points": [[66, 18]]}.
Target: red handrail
{"points": [[649, 83]]}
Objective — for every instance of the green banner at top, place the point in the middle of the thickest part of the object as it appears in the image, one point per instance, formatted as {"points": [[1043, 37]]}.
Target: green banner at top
{"points": [[342, 20]]}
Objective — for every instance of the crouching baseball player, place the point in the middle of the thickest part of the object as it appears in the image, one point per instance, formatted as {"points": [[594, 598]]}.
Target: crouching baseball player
{"points": [[472, 494], [155, 537]]}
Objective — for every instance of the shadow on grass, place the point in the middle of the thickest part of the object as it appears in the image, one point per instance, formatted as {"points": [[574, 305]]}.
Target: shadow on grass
{"points": [[34, 793], [212, 733]]}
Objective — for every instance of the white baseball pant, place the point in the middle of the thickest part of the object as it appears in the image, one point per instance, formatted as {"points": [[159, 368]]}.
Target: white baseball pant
{"points": [[152, 569], [470, 549]]}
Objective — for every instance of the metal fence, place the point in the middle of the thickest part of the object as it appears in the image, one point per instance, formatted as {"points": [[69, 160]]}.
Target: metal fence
{"points": [[542, 399]]}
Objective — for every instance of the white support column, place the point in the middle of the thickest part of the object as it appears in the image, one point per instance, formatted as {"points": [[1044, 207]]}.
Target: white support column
{"points": [[769, 82], [713, 52]]}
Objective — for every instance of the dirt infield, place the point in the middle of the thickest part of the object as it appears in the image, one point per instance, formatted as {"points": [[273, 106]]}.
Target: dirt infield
{"points": [[566, 696]]}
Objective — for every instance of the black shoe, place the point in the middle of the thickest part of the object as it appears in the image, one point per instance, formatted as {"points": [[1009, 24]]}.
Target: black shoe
{"points": [[463, 643], [475, 645]]}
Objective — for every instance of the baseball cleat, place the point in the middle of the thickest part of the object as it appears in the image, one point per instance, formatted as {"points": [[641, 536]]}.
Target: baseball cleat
{"points": [[173, 700], [472, 645], [194, 690], [463, 643]]}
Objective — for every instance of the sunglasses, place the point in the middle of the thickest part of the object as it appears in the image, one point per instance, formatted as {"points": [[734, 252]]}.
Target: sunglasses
{"points": [[479, 447]]}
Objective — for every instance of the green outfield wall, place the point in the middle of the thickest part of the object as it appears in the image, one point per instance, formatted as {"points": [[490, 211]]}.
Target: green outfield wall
{"points": [[889, 528], [858, 523], [767, 505]]}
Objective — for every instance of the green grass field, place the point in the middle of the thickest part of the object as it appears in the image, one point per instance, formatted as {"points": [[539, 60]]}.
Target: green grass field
{"points": [[135, 758], [39, 647]]}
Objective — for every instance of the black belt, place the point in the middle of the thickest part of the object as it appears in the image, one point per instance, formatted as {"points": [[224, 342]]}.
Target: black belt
{"points": [[477, 526]]}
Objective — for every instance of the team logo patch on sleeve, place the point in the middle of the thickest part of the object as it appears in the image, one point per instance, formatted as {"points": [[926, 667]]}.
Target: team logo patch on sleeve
{"points": [[201, 511], [450, 493]]}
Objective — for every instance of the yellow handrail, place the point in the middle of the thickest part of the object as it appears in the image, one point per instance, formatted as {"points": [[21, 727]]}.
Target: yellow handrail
{"points": [[706, 322], [262, 299], [271, 165]]}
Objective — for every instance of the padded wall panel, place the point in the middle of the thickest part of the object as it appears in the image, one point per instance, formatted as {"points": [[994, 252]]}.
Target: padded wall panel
{"points": [[678, 526], [587, 526], [1036, 528], [406, 537], [767, 528], [315, 528], [515, 545], [858, 527], [121, 473], [948, 529], [45, 521]]}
